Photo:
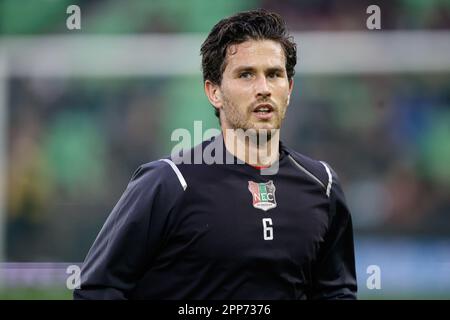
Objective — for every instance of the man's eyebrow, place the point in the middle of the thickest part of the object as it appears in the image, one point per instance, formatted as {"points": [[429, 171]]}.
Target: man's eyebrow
{"points": [[250, 68], [243, 68], [275, 69]]}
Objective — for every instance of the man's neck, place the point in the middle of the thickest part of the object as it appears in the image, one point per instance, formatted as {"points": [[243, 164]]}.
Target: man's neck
{"points": [[254, 149]]}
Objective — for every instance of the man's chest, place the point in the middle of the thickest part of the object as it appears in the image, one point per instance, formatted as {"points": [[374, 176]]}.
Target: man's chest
{"points": [[252, 220]]}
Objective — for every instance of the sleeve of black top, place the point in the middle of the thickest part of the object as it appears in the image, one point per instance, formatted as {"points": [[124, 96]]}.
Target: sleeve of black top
{"points": [[131, 234], [334, 275]]}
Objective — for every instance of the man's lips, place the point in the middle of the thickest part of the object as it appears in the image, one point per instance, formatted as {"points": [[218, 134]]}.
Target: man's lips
{"points": [[263, 111], [263, 107]]}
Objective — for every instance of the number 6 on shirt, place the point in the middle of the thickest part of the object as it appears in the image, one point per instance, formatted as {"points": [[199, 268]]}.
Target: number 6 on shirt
{"points": [[267, 228]]}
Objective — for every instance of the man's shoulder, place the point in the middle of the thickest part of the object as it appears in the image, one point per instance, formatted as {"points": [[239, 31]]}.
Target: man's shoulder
{"points": [[202, 153], [172, 169], [317, 169], [162, 171]]}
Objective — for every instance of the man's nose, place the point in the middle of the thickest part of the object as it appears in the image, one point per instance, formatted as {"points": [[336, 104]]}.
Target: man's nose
{"points": [[262, 87]]}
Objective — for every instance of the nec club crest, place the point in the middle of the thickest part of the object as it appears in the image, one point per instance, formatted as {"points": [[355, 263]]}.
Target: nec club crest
{"points": [[263, 195]]}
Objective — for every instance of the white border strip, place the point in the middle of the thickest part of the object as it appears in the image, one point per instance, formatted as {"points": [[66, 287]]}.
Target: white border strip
{"points": [[177, 171], [330, 178], [320, 53]]}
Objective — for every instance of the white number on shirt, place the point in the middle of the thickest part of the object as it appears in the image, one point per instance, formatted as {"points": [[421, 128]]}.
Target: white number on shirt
{"points": [[267, 228]]}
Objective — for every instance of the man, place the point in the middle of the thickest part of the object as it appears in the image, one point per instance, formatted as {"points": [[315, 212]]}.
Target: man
{"points": [[185, 230]]}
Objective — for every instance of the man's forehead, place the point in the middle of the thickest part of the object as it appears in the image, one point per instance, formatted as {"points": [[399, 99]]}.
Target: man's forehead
{"points": [[246, 52]]}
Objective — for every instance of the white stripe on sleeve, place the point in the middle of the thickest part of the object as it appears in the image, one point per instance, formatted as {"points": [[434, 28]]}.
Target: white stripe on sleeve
{"points": [[177, 172]]}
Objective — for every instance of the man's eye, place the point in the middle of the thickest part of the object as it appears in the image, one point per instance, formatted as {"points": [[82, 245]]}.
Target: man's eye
{"points": [[274, 75], [245, 75]]}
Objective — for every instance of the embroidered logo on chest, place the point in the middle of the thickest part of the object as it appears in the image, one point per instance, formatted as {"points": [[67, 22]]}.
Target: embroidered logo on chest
{"points": [[263, 195]]}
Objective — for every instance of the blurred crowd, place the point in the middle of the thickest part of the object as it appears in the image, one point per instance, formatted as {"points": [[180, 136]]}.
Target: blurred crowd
{"points": [[387, 136], [74, 143], [143, 16]]}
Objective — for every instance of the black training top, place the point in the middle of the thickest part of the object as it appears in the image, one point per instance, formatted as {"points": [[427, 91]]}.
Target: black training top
{"points": [[225, 231]]}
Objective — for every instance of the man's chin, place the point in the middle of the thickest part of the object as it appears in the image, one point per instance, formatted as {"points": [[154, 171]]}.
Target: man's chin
{"points": [[263, 127], [262, 133], [258, 128]]}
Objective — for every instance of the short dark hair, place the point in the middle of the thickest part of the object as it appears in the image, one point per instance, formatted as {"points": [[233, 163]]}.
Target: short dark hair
{"points": [[248, 25]]}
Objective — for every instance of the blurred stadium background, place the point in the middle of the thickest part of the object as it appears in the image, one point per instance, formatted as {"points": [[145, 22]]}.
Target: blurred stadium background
{"points": [[80, 110]]}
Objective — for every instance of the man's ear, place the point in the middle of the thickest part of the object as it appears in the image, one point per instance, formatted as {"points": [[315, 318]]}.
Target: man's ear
{"points": [[291, 86], [214, 94]]}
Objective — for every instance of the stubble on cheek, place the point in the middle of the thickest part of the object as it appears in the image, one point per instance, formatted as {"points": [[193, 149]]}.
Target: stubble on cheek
{"points": [[238, 119]]}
